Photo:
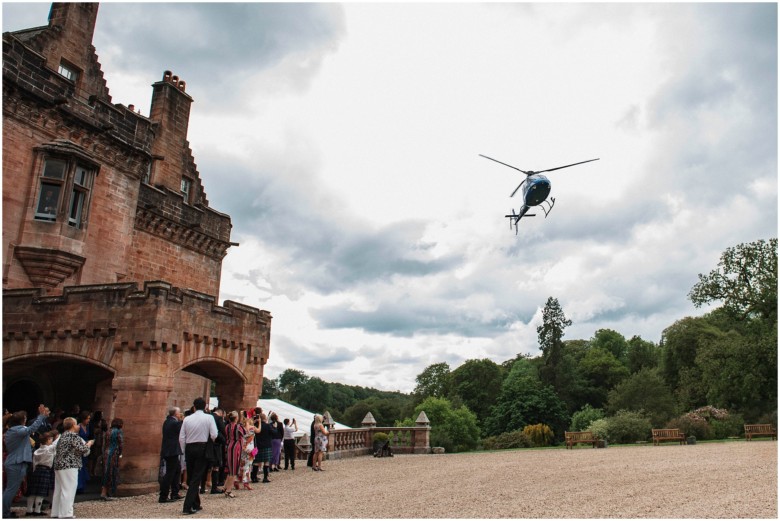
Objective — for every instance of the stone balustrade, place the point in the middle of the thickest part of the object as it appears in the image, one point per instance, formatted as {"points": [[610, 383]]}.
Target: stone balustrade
{"points": [[346, 443]]}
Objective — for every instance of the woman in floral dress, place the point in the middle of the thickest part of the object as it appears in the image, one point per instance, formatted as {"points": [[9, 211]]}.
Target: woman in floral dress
{"points": [[248, 452]]}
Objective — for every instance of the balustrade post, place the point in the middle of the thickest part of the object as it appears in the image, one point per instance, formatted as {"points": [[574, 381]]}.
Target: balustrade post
{"points": [[369, 423], [421, 441]]}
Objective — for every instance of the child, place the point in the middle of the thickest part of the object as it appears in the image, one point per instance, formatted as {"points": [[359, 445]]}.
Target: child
{"points": [[42, 480], [248, 454]]}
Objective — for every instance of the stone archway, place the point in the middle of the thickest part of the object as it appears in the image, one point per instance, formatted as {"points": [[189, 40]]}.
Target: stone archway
{"points": [[56, 381], [229, 382]]}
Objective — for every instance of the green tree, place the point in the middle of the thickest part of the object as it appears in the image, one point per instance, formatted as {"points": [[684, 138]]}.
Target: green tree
{"points": [[642, 354], [269, 389], [573, 388], [739, 371], [478, 384], [386, 411], [680, 344], [551, 332], [314, 395], [526, 400], [745, 280], [455, 429], [643, 391], [612, 341], [433, 381], [290, 382], [603, 372]]}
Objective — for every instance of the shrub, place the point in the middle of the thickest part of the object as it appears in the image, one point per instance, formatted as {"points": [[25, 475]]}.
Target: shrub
{"points": [[540, 434], [691, 424], [584, 417], [507, 440], [770, 418], [381, 436], [628, 427], [600, 429], [732, 425], [708, 423]]}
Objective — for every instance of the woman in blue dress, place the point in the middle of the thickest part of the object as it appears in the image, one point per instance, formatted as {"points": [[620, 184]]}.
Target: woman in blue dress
{"points": [[112, 452], [85, 432]]}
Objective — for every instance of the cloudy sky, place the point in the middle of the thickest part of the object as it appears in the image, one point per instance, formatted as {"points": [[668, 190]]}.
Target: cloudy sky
{"points": [[343, 141]]}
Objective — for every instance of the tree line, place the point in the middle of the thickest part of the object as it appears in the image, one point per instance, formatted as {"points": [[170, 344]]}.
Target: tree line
{"points": [[707, 376]]}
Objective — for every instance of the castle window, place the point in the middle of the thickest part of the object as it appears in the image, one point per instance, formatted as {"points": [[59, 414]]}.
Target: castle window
{"points": [[51, 187], [82, 182], [61, 176], [148, 174], [186, 186], [68, 71]]}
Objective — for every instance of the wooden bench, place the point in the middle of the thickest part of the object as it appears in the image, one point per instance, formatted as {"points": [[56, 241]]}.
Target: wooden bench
{"points": [[572, 438], [760, 429], [660, 435]]}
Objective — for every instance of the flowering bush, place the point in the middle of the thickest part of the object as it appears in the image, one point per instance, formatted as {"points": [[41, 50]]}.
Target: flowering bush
{"points": [[708, 423]]}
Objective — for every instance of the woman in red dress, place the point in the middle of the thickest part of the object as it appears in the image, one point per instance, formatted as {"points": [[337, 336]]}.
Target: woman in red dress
{"points": [[234, 437]]}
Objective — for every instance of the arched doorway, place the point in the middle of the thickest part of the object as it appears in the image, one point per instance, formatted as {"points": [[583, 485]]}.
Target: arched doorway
{"points": [[214, 378], [58, 382]]}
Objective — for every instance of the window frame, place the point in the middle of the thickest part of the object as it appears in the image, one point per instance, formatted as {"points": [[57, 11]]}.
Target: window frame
{"points": [[186, 188], [68, 71], [74, 189]]}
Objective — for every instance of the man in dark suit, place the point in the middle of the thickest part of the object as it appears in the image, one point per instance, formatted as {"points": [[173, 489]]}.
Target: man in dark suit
{"points": [[218, 470], [170, 452]]}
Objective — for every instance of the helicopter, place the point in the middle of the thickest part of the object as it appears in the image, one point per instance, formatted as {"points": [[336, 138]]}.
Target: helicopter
{"points": [[537, 188]]}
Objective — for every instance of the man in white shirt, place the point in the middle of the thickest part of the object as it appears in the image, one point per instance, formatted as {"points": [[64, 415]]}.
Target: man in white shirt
{"points": [[196, 430]]}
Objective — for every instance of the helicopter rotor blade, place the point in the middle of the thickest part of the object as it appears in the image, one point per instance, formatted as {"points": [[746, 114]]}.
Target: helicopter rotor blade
{"points": [[518, 188], [502, 163], [567, 166]]}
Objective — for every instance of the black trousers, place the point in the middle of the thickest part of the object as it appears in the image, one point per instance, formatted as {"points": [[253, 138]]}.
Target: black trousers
{"points": [[289, 453], [195, 456], [170, 483]]}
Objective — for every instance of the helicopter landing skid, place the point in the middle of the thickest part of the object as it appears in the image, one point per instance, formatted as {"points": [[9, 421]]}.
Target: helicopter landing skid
{"points": [[547, 209]]}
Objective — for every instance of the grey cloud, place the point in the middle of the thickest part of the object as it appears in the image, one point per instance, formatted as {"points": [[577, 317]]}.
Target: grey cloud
{"points": [[327, 248], [411, 317], [316, 356], [218, 45]]}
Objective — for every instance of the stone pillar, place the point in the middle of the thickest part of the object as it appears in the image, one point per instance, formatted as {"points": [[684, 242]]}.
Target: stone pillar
{"points": [[422, 435], [369, 423], [142, 403]]}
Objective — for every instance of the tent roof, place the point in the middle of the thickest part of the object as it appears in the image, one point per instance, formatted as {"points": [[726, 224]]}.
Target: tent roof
{"points": [[286, 410]]}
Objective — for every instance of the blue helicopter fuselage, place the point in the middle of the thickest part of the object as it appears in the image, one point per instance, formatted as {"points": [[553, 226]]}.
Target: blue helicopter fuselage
{"points": [[536, 189]]}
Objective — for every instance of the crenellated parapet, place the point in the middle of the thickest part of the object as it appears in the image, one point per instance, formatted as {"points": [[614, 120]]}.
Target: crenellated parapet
{"points": [[181, 324]]}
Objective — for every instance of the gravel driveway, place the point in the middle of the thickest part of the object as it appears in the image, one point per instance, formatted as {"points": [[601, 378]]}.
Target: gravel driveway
{"points": [[711, 480]]}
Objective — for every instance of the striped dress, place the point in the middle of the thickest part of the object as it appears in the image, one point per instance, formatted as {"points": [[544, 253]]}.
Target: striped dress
{"points": [[234, 436]]}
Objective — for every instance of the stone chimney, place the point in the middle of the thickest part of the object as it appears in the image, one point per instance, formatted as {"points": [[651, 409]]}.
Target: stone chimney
{"points": [[170, 111]]}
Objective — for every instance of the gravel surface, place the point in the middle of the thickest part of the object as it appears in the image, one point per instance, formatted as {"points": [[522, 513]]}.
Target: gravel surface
{"points": [[711, 480]]}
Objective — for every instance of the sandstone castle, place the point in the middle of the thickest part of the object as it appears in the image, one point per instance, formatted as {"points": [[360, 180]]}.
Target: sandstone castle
{"points": [[111, 253]]}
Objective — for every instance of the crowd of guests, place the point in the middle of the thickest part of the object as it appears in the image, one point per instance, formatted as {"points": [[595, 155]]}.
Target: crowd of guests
{"points": [[208, 450], [53, 457]]}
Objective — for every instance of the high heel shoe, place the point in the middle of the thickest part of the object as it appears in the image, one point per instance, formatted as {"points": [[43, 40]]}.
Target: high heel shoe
{"points": [[235, 484], [246, 486]]}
